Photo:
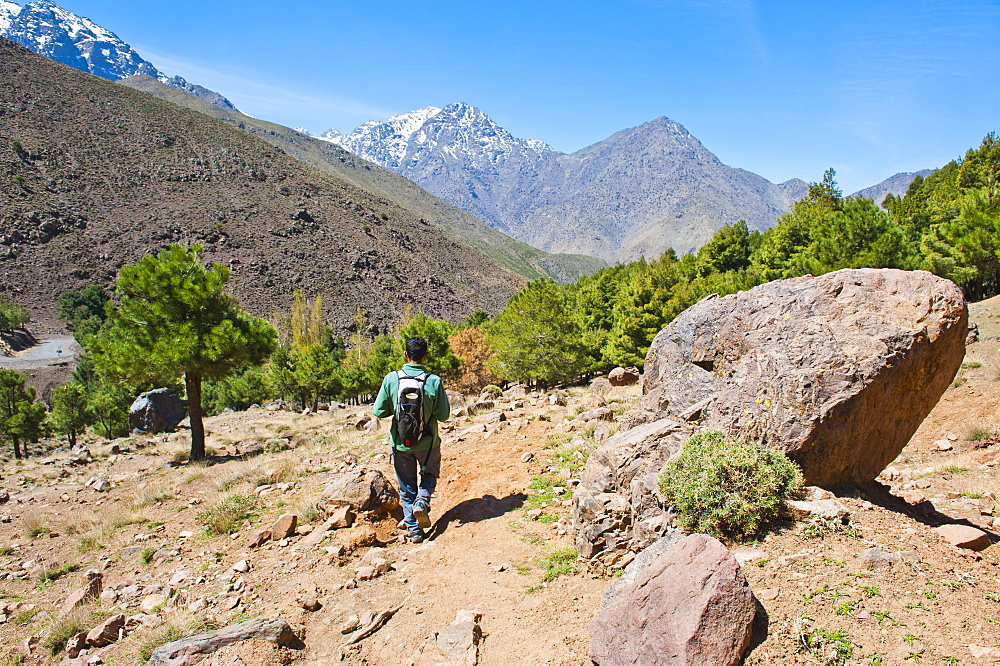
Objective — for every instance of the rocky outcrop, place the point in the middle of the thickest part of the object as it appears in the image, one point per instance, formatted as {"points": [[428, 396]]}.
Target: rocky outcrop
{"points": [[359, 490], [690, 606], [837, 371], [617, 504], [159, 410], [623, 376]]}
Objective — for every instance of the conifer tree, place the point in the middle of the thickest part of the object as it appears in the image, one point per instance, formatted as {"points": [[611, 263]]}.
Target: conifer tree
{"points": [[21, 418], [174, 318]]}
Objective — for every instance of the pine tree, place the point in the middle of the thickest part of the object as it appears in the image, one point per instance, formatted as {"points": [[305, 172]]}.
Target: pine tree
{"points": [[174, 318], [71, 412], [21, 418]]}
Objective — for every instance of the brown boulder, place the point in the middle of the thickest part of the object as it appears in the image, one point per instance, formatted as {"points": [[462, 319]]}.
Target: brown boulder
{"points": [[360, 490], [691, 606], [965, 536], [90, 591], [837, 371], [623, 376], [284, 526]]}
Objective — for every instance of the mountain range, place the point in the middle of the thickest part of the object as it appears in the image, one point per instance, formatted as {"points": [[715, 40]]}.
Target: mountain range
{"points": [[48, 29], [636, 193], [100, 175]]}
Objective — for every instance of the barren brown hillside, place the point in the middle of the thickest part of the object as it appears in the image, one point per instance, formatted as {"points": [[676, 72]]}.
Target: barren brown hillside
{"points": [[93, 175]]}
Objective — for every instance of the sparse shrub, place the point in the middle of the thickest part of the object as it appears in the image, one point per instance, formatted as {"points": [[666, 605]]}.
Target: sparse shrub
{"points": [[226, 516], [252, 475], [151, 495], [147, 554], [285, 471], [727, 488], [833, 648], [560, 562], [35, 525], [49, 576], [366, 228], [493, 391], [63, 630], [277, 445], [384, 217], [977, 433]]}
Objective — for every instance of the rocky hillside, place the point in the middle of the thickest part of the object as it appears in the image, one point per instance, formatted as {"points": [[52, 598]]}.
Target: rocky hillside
{"points": [[455, 222], [638, 192], [98, 175], [48, 29]]}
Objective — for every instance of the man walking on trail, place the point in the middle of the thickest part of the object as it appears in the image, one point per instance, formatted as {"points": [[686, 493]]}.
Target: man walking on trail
{"points": [[416, 401]]}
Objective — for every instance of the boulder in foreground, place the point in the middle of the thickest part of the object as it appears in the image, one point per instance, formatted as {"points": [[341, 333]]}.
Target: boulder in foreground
{"points": [[194, 649], [691, 606], [837, 371]]}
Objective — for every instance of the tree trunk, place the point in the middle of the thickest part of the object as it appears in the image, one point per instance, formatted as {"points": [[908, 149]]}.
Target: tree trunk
{"points": [[17, 448], [71, 436], [193, 384]]}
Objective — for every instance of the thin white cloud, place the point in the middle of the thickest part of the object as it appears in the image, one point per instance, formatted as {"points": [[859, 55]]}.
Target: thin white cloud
{"points": [[268, 101]]}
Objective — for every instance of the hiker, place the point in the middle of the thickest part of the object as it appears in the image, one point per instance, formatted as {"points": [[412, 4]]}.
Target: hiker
{"points": [[416, 401]]}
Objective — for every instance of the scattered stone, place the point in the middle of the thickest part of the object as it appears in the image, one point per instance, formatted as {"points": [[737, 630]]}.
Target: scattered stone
{"points": [[106, 632], [98, 484], [825, 509], [194, 649], [109, 597], [242, 566], [360, 490], [308, 602], [878, 557], [557, 399], [676, 607], [623, 376], [284, 527], [304, 530], [847, 343], [90, 591], [788, 560], [527, 456], [964, 536], [746, 555], [159, 410], [597, 414], [259, 538], [76, 644], [943, 445], [4, 497], [980, 652], [351, 624], [152, 602], [770, 594]]}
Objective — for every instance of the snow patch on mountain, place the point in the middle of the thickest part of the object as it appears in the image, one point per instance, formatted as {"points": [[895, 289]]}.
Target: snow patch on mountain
{"points": [[48, 29]]}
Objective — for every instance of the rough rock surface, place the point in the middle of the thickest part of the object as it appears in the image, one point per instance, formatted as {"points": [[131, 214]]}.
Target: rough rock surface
{"points": [[838, 370], [691, 605], [617, 502], [361, 490], [193, 649], [623, 376], [159, 410]]}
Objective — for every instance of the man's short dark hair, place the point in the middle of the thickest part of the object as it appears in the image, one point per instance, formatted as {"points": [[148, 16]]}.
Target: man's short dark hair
{"points": [[416, 348]]}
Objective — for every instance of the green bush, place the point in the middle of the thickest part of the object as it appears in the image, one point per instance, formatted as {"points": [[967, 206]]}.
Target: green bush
{"points": [[493, 391], [727, 488], [226, 516]]}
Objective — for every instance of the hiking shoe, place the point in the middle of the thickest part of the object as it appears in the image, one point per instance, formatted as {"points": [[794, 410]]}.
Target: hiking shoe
{"points": [[415, 538], [422, 514]]}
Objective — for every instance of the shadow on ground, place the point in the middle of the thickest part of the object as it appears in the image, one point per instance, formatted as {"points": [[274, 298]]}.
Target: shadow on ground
{"points": [[476, 510]]}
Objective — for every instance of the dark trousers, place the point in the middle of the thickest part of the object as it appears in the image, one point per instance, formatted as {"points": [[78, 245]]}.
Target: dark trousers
{"points": [[417, 474]]}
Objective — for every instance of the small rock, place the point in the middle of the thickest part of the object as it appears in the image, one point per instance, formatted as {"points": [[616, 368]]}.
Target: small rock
{"points": [[365, 573], [980, 652], [863, 615], [877, 556], [526, 457], [152, 602], [308, 602], [351, 624], [98, 484], [304, 530], [242, 566], [770, 594], [746, 555], [964, 536], [109, 597], [788, 560], [943, 445], [106, 632], [4, 497], [259, 538], [186, 534], [284, 527], [76, 644], [951, 436]]}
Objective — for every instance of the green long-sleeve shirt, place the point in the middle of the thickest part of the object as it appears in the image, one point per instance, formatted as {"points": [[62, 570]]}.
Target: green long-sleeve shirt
{"points": [[436, 407]]}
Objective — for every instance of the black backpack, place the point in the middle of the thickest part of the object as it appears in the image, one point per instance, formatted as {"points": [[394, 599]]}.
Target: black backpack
{"points": [[411, 425]]}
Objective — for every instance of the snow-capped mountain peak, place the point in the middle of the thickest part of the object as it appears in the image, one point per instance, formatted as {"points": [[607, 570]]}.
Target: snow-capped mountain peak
{"points": [[8, 10], [48, 29]]}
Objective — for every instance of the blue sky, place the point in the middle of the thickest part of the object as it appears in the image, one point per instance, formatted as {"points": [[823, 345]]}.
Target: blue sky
{"points": [[784, 89]]}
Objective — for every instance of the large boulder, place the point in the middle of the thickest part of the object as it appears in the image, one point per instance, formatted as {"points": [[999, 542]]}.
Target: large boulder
{"points": [[837, 371], [690, 606], [159, 410], [359, 490]]}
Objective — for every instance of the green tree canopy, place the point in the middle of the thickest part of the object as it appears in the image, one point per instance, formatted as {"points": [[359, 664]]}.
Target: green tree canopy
{"points": [[536, 338], [174, 318], [21, 418], [71, 412]]}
